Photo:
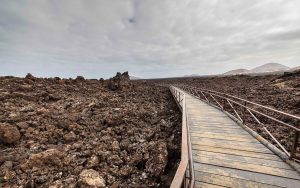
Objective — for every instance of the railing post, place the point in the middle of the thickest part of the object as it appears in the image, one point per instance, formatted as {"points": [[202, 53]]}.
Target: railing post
{"points": [[295, 145], [179, 98]]}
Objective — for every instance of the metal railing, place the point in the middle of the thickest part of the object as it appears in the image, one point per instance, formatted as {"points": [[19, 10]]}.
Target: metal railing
{"points": [[220, 100], [184, 176]]}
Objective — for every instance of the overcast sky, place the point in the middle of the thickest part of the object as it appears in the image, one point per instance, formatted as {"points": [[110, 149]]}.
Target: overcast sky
{"points": [[149, 38]]}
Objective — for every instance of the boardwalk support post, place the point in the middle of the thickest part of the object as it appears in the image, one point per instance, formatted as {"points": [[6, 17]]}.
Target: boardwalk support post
{"points": [[295, 145]]}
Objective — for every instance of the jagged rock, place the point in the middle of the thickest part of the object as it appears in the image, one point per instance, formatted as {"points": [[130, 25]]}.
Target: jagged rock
{"points": [[27, 109], [125, 144], [80, 78], [93, 161], [115, 159], [41, 111], [9, 175], [71, 136], [115, 145], [56, 184], [22, 125], [91, 178], [9, 134], [7, 165], [119, 82], [158, 161], [29, 76], [125, 170], [48, 157]]}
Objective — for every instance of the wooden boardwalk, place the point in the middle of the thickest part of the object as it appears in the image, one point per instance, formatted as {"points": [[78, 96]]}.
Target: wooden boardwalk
{"points": [[226, 155]]}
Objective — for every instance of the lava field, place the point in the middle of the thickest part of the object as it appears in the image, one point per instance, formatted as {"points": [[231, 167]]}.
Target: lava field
{"points": [[87, 133], [114, 133]]}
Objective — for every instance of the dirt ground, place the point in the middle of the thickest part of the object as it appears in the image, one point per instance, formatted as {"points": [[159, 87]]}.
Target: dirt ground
{"points": [[281, 92], [87, 133]]}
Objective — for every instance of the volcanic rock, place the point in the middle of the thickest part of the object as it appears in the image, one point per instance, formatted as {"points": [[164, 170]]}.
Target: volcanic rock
{"points": [[48, 157], [93, 161], [9, 134], [22, 125], [115, 145], [71, 136], [29, 76], [68, 126], [91, 178], [56, 184], [158, 160], [7, 165], [119, 82], [79, 78]]}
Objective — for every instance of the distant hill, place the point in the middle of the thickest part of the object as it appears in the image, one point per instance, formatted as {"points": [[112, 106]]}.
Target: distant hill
{"points": [[269, 67], [134, 78], [192, 75], [266, 68], [236, 72]]}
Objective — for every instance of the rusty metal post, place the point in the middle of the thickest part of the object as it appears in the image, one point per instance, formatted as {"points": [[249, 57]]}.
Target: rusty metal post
{"points": [[295, 145]]}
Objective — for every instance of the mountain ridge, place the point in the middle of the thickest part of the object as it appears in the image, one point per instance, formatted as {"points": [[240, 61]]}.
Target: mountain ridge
{"points": [[236, 71], [270, 67], [265, 68]]}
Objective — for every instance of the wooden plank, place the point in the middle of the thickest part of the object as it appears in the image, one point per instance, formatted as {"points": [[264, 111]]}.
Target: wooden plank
{"points": [[228, 142], [212, 118], [216, 115], [224, 129], [243, 159], [199, 184], [204, 111], [215, 126], [221, 137], [227, 181], [233, 147], [220, 132], [270, 156], [209, 134], [245, 134], [249, 167], [251, 142], [253, 176], [215, 120], [220, 142]]}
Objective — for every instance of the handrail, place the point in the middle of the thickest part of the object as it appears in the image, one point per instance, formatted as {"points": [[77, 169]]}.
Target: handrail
{"points": [[180, 179], [256, 104], [219, 95]]}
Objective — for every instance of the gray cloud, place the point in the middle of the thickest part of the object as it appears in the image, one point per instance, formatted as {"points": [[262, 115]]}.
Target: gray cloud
{"points": [[293, 35], [149, 38]]}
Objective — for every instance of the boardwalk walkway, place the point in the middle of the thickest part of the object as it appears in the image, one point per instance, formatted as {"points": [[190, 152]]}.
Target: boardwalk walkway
{"points": [[225, 155]]}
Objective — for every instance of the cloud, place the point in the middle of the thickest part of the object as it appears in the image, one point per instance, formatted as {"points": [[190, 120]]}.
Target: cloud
{"points": [[149, 38], [286, 35]]}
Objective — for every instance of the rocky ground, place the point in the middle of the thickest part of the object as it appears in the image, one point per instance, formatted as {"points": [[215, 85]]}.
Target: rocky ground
{"points": [[87, 133], [277, 91]]}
